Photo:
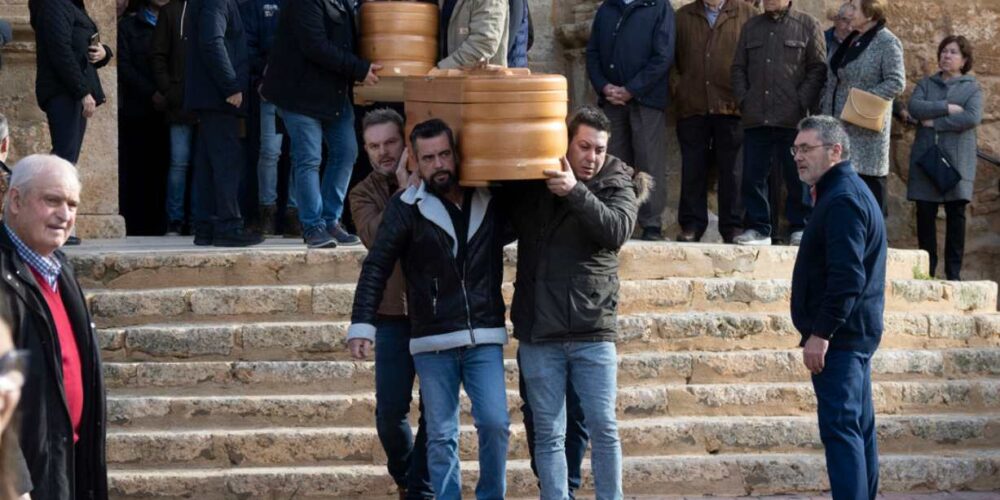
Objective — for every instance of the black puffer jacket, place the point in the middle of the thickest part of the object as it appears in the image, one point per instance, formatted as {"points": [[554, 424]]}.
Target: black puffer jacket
{"points": [[62, 34], [449, 307], [58, 468], [567, 254]]}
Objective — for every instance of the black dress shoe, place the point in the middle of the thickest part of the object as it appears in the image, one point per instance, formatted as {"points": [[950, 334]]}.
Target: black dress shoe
{"points": [[688, 237], [73, 240], [237, 238], [651, 233], [203, 238]]}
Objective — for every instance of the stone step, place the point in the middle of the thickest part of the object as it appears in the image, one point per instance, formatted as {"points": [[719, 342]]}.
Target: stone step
{"points": [[685, 331], [653, 368], [356, 410], [723, 474], [140, 263], [270, 446], [333, 302]]}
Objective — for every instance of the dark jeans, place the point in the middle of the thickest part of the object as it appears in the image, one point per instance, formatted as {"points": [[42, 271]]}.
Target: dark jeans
{"points": [[954, 239], [879, 188], [576, 432], [66, 126], [218, 168], [706, 140], [847, 424], [639, 138], [761, 147], [394, 374]]}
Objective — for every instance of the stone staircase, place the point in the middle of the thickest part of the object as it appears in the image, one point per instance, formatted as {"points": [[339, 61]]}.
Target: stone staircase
{"points": [[228, 377]]}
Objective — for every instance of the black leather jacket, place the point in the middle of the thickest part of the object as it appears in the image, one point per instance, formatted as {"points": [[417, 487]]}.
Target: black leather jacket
{"points": [[449, 306]]}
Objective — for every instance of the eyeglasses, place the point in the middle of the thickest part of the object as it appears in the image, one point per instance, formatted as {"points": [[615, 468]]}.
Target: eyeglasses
{"points": [[15, 360], [806, 149]]}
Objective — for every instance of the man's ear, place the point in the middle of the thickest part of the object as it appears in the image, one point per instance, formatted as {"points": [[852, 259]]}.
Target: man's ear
{"points": [[5, 144]]}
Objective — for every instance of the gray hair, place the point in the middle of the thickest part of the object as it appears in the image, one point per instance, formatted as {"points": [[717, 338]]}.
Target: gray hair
{"points": [[4, 127], [25, 172], [830, 131]]}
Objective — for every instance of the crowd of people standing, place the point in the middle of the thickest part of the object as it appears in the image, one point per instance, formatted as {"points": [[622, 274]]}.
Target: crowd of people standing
{"points": [[759, 95]]}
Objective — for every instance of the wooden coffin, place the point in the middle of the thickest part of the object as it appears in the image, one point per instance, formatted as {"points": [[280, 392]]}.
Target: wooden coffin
{"points": [[510, 124], [402, 36]]}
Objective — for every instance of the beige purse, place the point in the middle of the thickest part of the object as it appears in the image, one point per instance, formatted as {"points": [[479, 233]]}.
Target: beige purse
{"points": [[866, 110]]}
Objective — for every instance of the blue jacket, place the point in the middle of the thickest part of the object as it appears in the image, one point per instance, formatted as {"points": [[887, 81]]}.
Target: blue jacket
{"points": [[633, 45], [216, 64], [260, 17], [838, 284]]}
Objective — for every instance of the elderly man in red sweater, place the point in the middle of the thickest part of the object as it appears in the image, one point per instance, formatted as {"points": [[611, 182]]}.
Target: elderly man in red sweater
{"points": [[62, 405]]}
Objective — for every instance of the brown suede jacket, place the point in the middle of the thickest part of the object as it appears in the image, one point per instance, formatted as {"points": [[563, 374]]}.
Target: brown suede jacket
{"points": [[704, 58], [368, 200]]}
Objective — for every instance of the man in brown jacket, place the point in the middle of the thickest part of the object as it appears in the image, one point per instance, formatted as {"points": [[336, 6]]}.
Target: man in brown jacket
{"points": [[382, 130], [779, 71], [708, 116]]}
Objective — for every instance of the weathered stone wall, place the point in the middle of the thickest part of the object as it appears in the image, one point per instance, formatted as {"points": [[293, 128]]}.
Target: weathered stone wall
{"points": [[29, 132], [921, 24]]}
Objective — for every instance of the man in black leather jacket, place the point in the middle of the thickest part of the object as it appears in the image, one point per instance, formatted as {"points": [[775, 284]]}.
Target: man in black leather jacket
{"points": [[449, 242]]}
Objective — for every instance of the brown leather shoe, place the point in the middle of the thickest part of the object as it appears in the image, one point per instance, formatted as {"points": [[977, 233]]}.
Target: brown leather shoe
{"points": [[688, 237]]}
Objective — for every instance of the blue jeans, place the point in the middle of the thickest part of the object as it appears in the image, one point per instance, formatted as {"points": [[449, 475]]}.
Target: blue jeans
{"points": [[181, 142], [394, 373], [847, 424], [480, 370], [321, 202], [576, 433], [761, 147], [267, 161], [592, 368]]}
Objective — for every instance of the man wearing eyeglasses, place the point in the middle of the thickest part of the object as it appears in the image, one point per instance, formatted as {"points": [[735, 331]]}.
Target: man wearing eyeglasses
{"points": [[838, 298], [62, 437]]}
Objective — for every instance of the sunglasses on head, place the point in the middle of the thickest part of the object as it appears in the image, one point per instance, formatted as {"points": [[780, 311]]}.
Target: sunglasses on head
{"points": [[14, 360]]}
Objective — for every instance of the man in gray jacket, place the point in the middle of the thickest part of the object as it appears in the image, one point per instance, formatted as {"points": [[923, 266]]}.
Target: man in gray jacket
{"points": [[473, 32], [779, 70]]}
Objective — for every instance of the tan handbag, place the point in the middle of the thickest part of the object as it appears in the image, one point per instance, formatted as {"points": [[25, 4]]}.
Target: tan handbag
{"points": [[865, 110]]}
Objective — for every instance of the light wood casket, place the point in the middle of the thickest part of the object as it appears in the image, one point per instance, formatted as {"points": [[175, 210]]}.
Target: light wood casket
{"points": [[402, 36], [510, 124]]}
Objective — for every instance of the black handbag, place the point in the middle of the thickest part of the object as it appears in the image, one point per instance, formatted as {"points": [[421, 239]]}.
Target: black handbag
{"points": [[937, 166]]}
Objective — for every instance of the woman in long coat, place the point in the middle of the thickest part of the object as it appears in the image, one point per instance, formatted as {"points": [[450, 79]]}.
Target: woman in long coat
{"points": [[870, 59], [949, 107]]}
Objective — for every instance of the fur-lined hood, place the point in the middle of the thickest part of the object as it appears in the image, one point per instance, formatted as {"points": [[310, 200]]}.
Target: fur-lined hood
{"points": [[617, 173]]}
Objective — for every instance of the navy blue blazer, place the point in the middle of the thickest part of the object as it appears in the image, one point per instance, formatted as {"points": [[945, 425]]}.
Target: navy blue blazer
{"points": [[838, 284]]}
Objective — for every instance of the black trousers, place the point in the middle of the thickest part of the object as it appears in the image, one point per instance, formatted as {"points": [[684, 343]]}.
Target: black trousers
{"points": [[954, 240], [66, 126], [218, 168], [879, 187], [708, 140]]}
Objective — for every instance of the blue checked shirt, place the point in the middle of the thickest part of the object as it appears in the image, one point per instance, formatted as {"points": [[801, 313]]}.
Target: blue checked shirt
{"points": [[48, 267]]}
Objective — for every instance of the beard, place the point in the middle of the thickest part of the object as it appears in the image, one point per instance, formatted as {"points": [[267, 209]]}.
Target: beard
{"points": [[441, 182]]}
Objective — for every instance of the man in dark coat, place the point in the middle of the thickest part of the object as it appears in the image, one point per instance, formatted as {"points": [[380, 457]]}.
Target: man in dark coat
{"points": [[629, 55], [569, 231], [142, 132], [216, 82], [166, 59], [62, 404], [310, 75], [838, 299]]}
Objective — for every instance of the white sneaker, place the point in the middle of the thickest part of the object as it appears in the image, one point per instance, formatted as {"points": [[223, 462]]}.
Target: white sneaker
{"points": [[795, 238], [752, 237]]}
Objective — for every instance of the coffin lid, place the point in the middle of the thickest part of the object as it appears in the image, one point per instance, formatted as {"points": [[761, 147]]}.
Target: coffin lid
{"points": [[486, 85]]}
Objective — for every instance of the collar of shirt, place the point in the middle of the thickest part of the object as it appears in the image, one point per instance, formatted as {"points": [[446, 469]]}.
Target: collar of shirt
{"points": [[48, 267], [716, 10]]}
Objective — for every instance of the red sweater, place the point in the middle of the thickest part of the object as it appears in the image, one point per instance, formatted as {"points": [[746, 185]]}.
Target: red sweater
{"points": [[71, 368]]}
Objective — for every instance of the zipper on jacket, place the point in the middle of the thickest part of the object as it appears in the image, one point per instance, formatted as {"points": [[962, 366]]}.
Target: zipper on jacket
{"points": [[468, 312], [434, 297]]}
